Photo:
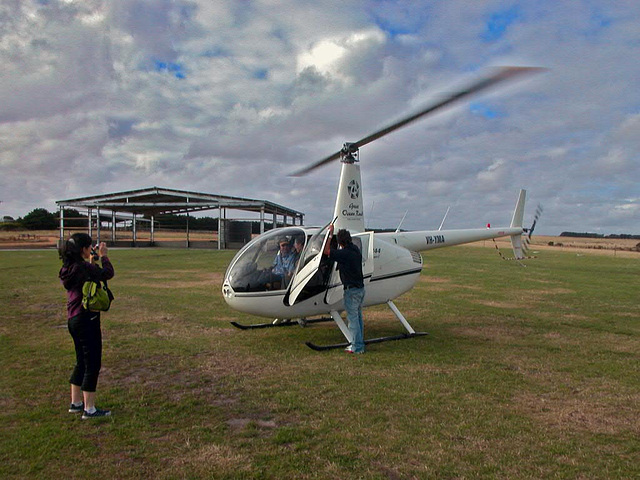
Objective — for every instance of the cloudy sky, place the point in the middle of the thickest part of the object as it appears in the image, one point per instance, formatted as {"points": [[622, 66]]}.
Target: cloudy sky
{"points": [[230, 96]]}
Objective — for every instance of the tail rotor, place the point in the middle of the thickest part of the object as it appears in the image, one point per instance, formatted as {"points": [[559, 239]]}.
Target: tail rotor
{"points": [[521, 242], [529, 231]]}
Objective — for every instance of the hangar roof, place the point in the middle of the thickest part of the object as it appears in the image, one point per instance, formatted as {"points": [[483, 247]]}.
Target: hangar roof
{"points": [[158, 200]]}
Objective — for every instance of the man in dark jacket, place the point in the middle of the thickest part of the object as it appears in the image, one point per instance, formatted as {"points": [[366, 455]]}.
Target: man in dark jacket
{"points": [[349, 259]]}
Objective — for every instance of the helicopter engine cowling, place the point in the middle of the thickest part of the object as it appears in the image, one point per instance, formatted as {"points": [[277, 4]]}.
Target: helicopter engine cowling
{"points": [[396, 270]]}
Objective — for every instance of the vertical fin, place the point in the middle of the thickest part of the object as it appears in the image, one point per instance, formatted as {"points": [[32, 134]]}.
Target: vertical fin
{"points": [[349, 209], [516, 221], [518, 213]]}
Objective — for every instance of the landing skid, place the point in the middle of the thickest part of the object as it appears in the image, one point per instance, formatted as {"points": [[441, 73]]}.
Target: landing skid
{"points": [[347, 334], [282, 323], [403, 336]]}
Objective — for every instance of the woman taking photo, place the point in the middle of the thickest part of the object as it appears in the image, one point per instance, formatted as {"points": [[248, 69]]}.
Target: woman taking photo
{"points": [[84, 326]]}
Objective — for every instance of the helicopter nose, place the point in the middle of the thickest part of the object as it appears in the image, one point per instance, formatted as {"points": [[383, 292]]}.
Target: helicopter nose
{"points": [[227, 291]]}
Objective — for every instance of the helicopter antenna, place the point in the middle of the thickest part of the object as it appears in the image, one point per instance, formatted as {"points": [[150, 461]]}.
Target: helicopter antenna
{"points": [[444, 218], [400, 224], [348, 153], [373, 204]]}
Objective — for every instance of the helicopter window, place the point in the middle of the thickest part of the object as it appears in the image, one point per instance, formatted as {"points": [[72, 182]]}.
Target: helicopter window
{"points": [[268, 262], [358, 243], [314, 248]]}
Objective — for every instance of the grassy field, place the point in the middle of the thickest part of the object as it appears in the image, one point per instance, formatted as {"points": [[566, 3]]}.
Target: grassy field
{"points": [[527, 373]]}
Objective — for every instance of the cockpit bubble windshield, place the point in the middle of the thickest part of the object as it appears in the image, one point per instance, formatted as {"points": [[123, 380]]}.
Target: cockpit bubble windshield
{"points": [[268, 262]]}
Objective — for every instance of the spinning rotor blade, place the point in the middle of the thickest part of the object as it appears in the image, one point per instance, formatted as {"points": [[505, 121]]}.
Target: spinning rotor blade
{"points": [[536, 217], [499, 75], [322, 162]]}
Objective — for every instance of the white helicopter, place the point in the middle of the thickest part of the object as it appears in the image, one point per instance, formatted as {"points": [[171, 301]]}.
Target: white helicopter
{"points": [[391, 263]]}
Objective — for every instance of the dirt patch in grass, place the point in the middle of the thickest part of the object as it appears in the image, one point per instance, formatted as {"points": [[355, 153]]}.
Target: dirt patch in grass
{"points": [[544, 294], [498, 304], [436, 284], [561, 402], [176, 333], [527, 299], [388, 472], [591, 410], [621, 343], [172, 325], [242, 423], [423, 370], [495, 333], [560, 340], [429, 279], [385, 313], [187, 279], [213, 459], [610, 342], [181, 285], [202, 375]]}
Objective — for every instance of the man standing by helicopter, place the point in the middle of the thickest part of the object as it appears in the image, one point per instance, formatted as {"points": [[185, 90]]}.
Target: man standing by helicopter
{"points": [[349, 260]]}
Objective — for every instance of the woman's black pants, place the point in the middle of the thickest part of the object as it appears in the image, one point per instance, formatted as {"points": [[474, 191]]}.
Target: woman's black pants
{"points": [[87, 338]]}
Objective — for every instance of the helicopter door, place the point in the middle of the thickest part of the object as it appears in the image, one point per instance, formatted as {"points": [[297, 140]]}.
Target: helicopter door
{"points": [[309, 279], [364, 241]]}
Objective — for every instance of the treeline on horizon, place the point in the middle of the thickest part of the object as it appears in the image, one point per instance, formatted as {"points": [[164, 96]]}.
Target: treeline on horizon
{"points": [[619, 236], [42, 219]]}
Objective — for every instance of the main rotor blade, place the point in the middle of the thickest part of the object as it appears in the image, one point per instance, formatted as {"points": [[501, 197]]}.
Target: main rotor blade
{"points": [[499, 75], [306, 170]]}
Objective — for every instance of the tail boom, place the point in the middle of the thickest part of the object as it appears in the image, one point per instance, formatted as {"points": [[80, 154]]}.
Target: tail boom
{"points": [[431, 239]]}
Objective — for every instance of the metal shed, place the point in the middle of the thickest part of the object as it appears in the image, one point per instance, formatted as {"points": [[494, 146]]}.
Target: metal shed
{"points": [[134, 205]]}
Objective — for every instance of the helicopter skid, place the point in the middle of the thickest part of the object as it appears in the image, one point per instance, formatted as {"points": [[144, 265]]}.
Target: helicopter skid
{"points": [[403, 336], [282, 323]]}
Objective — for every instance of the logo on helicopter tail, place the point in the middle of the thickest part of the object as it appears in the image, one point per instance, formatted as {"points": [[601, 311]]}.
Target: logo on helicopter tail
{"points": [[354, 189]]}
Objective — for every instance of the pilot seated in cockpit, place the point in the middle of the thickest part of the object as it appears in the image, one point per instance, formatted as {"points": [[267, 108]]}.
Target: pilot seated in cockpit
{"points": [[278, 276]]}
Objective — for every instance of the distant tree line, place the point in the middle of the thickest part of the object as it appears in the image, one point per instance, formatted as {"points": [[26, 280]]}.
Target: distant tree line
{"points": [[199, 223], [42, 219], [622, 236], [36, 219], [180, 222]]}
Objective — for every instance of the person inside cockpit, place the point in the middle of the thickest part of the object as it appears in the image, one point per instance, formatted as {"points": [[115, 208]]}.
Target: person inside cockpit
{"points": [[278, 276], [284, 262], [298, 245]]}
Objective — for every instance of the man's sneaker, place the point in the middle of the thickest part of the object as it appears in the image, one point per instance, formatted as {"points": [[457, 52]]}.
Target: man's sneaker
{"points": [[351, 350], [76, 409], [97, 414]]}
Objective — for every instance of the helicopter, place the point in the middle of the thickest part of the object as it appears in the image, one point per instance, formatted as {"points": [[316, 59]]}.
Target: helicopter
{"points": [[256, 284]]}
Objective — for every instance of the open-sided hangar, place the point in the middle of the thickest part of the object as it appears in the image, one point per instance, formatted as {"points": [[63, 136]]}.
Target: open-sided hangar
{"points": [[137, 207]]}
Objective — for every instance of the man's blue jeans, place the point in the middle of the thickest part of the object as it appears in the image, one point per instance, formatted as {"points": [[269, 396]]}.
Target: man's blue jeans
{"points": [[353, 299]]}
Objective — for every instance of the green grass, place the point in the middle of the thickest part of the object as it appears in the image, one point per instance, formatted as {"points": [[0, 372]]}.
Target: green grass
{"points": [[527, 373]]}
